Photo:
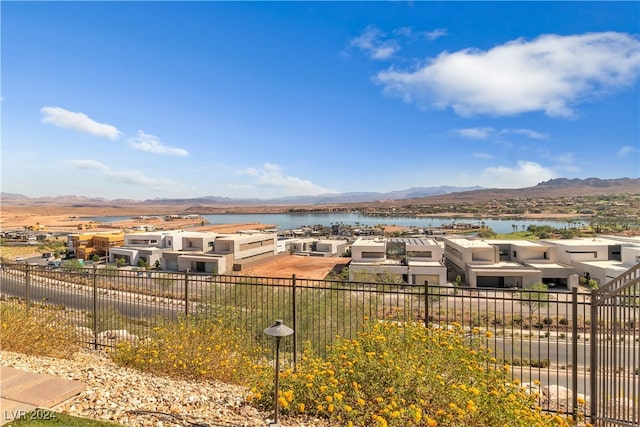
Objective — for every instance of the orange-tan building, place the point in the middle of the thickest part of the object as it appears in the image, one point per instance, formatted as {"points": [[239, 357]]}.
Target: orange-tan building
{"points": [[86, 245]]}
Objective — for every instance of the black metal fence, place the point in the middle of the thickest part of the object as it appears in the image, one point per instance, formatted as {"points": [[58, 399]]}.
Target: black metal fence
{"points": [[615, 397], [546, 337]]}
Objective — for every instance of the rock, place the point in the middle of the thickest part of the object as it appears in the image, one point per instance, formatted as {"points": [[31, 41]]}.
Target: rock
{"points": [[111, 337], [556, 397]]}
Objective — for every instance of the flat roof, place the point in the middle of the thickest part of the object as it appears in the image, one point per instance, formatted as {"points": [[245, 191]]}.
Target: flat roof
{"points": [[369, 242], [514, 242], [425, 264], [469, 243], [198, 234], [414, 241], [548, 265], [582, 241], [501, 264], [608, 264]]}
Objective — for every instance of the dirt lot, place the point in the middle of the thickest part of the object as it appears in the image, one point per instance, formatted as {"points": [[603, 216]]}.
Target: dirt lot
{"points": [[69, 220], [304, 267]]}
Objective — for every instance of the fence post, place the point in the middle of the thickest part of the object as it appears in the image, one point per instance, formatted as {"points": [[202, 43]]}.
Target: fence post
{"points": [[186, 292], [27, 281], [95, 307], [593, 354], [574, 350], [295, 323], [426, 303]]}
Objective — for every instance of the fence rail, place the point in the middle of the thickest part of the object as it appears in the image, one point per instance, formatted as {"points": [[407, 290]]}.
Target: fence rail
{"points": [[616, 351], [544, 336]]}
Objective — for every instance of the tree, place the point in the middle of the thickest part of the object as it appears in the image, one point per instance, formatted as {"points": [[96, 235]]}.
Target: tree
{"points": [[535, 296], [95, 258], [456, 284], [74, 265], [120, 262]]}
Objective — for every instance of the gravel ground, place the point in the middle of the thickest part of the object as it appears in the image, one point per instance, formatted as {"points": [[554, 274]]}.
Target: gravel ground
{"points": [[129, 397]]}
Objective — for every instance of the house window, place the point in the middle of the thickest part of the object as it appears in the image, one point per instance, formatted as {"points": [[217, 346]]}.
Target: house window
{"points": [[545, 256], [515, 254], [419, 254]]}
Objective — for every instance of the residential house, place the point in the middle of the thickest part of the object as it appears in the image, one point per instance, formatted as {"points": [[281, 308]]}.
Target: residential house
{"points": [[317, 247], [599, 258], [410, 260], [506, 263], [148, 246], [86, 245], [246, 248]]}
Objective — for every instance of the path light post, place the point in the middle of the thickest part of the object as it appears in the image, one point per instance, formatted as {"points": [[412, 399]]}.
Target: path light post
{"points": [[278, 331]]}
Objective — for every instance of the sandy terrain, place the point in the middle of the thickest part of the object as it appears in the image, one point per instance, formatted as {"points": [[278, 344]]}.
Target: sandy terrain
{"points": [[304, 267], [70, 218]]}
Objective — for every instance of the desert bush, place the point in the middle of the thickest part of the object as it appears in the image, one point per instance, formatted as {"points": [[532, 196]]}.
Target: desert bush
{"points": [[42, 331], [195, 347], [398, 374]]}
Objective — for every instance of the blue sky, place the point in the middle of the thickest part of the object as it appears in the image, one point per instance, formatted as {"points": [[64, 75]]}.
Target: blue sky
{"points": [[267, 99]]}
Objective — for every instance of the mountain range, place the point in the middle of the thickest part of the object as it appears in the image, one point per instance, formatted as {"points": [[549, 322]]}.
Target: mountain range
{"points": [[559, 187]]}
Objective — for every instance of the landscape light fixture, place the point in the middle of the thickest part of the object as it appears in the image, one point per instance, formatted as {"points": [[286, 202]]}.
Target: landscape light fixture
{"points": [[278, 330]]}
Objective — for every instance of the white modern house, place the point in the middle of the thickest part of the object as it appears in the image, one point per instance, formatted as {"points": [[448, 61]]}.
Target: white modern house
{"points": [[246, 248], [204, 252], [507, 263], [600, 258], [146, 246], [412, 260], [196, 254], [317, 247]]}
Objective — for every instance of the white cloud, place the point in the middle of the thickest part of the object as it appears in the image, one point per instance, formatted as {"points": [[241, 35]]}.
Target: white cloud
{"points": [[476, 133], [249, 171], [436, 34], [151, 144], [271, 176], [565, 159], [526, 132], [525, 174], [404, 31], [372, 41], [627, 150], [487, 132], [79, 122], [482, 156], [88, 164], [126, 177], [551, 73]]}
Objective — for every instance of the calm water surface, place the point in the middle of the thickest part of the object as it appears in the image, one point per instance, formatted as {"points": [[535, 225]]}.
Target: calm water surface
{"points": [[288, 221]]}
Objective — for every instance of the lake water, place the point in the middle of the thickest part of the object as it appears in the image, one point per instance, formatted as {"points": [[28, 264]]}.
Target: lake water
{"points": [[286, 221]]}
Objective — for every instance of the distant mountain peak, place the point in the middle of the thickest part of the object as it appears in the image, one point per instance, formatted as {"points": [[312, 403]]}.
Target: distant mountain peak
{"points": [[589, 182]]}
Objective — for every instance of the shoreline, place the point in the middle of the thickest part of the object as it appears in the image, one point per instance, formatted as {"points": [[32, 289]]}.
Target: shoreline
{"points": [[84, 219]]}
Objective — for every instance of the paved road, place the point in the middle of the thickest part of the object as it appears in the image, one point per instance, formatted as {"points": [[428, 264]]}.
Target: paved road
{"points": [[79, 297], [559, 350]]}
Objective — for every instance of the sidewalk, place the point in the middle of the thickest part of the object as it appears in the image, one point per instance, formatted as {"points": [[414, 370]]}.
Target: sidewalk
{"points": [[22, 391]]}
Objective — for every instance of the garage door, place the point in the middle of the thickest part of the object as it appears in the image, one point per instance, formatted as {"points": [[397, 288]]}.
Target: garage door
{"points": [[490, 282]]}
